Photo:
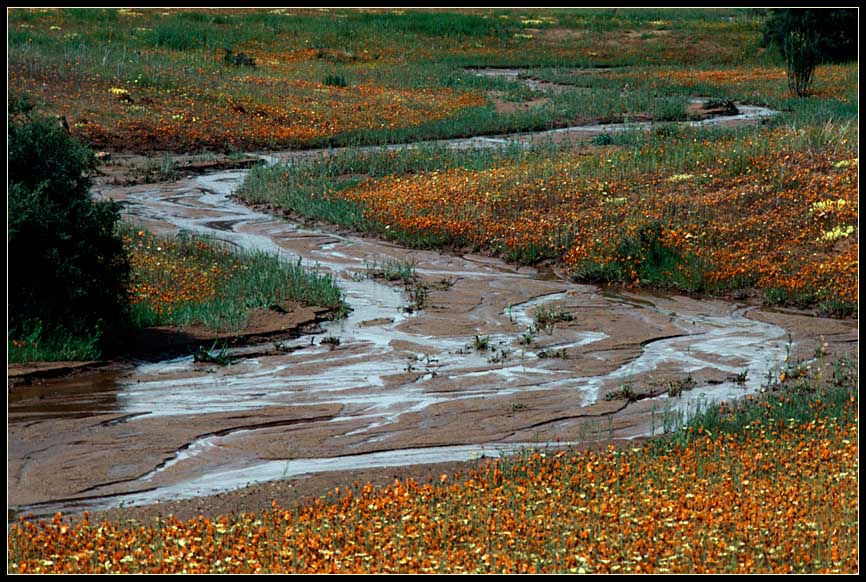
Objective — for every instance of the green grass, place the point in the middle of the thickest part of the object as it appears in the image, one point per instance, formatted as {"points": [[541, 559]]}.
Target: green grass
{"points": [[393, 270], [255, 280], [33, 344], [307, 188], [546, 316], [673, 149], [429, 50], [369, 30], [825, 304], [648, 88], [397, 49], [481, 343], [312, 189]]}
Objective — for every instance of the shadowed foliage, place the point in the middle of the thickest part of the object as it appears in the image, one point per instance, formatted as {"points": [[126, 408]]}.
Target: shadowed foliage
{"points": [[67, 267]]}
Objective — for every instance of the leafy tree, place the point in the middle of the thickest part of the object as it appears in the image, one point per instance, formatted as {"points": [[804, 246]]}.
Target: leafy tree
{"points": [[809, 36], [834, 31], [67, 269]]}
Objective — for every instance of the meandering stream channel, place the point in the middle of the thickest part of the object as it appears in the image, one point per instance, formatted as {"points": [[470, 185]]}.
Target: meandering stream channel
{"points": [[400, 388]]}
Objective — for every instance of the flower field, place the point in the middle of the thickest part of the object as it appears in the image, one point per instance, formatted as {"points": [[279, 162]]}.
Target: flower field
{"points": [[777, 241], [166, 274], [192, 80], [778, 494], [774, 209], [756, 83], [221, 114]]}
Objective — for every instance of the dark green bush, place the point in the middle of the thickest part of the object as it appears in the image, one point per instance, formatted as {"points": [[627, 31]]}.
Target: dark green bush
{"points": [[833, 31], [801, 58], [67, 267], [645, 257], [335, 81], [238, 59], [602, 139], [808, 37]]}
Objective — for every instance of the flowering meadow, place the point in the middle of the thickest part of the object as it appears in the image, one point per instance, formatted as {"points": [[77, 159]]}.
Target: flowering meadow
{"points": [[773, 226], [168, 273], [774, 208], [227, 80], [766, 485], [763, 84]]}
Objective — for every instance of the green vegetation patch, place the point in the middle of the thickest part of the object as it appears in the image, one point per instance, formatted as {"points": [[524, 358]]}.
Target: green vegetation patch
{"points": [[188, 280]]}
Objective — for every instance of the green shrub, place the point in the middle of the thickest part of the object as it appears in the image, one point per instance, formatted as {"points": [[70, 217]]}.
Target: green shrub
{"points": [[801, 60], [335, 81], [238, 59], [807, 37], [602, 139], [645, 259], [833, 31], [67, 267]]}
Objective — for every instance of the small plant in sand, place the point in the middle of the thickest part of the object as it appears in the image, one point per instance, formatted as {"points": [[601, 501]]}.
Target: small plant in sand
{"points": [[482, 343], [561, 353], [546, 317], [417, 297], [527, 338], [678, 385], [393, 270], [211, 356], [331, 341], [624, 392], [499, 356]]}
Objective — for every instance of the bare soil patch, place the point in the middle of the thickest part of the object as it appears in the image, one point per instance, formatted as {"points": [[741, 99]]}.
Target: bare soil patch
{"points": [[511, 107], [558, 35], [128, 169]]}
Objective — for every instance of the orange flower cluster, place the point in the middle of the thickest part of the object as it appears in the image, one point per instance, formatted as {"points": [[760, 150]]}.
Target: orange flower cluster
{"points": [[726, 76], [165, 274], [505, 208], [777, 499], [237, 111], [795, 226], [788, 221]]}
